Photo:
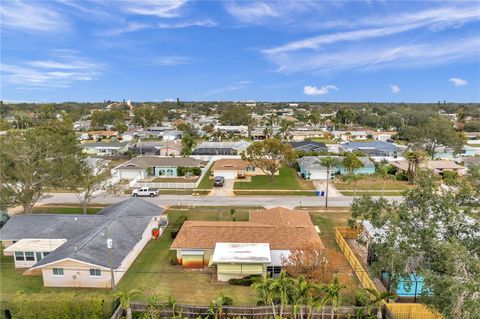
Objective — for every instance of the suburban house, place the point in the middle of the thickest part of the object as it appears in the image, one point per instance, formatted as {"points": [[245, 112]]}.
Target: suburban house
{"points": [[221, 148], [143, 166], [376, 150], [172, 135], [233, 129], [309, 146], [300, 135], [350, 135], [239, 249], [77, 250], [311, 168], [447, 153], [437, 166], [105, 148], [235, 169], [162, 148], [100, 135]]}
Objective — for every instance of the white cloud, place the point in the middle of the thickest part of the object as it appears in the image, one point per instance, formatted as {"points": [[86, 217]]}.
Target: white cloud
{"points": [[394, 88], [458, 81], [136, 26], [42, 74], [158, 8], [251, 11], [31, 17], [372, 43], [313, 90], [129, 27], [172, 60], [378, 55], [383, 27], [186, 24]]}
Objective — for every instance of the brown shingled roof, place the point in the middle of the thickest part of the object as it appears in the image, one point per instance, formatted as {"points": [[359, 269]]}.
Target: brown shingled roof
{"points": [[283, 229], [229, 164]]}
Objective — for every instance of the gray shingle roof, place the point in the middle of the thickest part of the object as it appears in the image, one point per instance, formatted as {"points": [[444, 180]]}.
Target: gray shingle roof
{"points": [[86, 234], [104, 144], [313, 162], [377, 145], [145, 162]]}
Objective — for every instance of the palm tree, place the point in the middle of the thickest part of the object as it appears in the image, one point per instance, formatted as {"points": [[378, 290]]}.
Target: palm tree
{"points": [[262, 287], [333, 295], [377, 298], [281, 288], [383, 170], [125, 298], [172, 303], [414, 158], [329, 163]]}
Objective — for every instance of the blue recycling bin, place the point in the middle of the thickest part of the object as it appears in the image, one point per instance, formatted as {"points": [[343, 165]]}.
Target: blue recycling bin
{"points": [[317, 193], [322, 193]]}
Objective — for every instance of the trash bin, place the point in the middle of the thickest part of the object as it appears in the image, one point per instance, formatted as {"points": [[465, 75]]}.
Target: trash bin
{"points": [[317, 193], [322, 194]]}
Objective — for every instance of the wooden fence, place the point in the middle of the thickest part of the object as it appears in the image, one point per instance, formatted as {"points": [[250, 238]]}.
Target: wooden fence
{"points": [[392, 310], [261, 312], [410, 311]]}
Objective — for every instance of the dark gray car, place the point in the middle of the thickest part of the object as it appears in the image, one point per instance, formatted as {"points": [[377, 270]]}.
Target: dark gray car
{"points": [[218, 181]]}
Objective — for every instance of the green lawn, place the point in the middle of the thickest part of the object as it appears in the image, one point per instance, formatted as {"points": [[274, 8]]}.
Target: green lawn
{"points": [[206, 182], [374, 193], [286, 180], [274, 192], [64, 210], [374, 183]]}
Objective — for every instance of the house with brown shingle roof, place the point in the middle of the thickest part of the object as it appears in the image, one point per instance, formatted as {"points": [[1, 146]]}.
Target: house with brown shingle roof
{"points": [[235, 169], [239, 249]]}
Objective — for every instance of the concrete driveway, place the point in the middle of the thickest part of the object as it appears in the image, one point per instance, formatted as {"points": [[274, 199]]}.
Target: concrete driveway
{"points": [[225, 190], [332, 190]]}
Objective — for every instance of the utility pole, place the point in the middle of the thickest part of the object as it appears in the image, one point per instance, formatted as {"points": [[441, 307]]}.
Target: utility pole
{"points": [[110, 257]]}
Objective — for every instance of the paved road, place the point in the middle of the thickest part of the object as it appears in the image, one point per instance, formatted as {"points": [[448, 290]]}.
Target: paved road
{"points": [[172, 200]]}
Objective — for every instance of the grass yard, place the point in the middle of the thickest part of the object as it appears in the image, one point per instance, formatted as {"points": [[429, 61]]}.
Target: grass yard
{"points": [[327, 220], [64, 210], [374, 193], [206, 182], [372, 183], [286, 180], [274, 192]]}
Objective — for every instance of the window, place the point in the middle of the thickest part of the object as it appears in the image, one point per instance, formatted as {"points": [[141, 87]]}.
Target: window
{"points": [[19, 256], [57, 271], [45, 253], [95, 272], [250, 168], [30, 256], [38, 255]]}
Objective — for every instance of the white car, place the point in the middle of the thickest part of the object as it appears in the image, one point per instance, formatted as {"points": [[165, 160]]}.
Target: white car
{"points": [[145, 191]]}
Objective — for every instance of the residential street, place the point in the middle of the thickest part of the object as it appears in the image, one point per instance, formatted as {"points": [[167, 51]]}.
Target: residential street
{"points": [[171, 200]]}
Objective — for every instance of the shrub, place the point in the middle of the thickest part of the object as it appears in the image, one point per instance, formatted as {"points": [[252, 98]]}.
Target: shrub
{"points": [[402, 176], [172, 257], [177, 225], [245, 281]]}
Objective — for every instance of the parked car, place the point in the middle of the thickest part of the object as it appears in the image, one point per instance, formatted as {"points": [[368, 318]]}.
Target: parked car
{"points": [[218, 181], [145, 191]]}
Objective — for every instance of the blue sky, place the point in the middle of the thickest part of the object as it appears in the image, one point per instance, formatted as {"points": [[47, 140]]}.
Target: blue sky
{"points": [[412, 51]]}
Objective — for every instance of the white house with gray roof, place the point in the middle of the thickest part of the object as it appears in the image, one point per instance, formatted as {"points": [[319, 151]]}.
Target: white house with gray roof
{"points": [[71, 250]]}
